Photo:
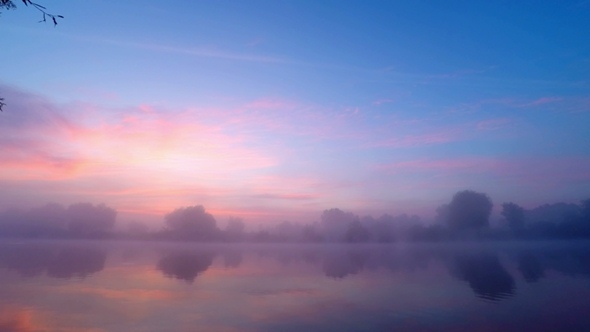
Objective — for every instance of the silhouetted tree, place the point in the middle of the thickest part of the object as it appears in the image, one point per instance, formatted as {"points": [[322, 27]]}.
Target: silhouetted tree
{"points": [[357, 233], [469, 210], [553, 213], [310, 233], [9, 4], [87, 220], [542, 229], [54, 220], [431, 233], [262, 236], [559, 220], [382, 229], [442, 214], [192, 223], [23, 223], [584, 219], [514, 215], [585, 212], [335, 223]]}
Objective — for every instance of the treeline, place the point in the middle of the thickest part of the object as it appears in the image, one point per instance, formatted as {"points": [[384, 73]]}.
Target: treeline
{"points": [[466, 216], [81, 220]]}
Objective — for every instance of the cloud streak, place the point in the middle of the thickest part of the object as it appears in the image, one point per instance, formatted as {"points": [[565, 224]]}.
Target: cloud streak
{"points": [[201, 52], [411, 141]]}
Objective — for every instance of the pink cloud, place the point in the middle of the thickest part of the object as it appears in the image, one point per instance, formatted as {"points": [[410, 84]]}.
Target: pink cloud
{"points": [[138, 149], [145, 161], [296, 197]]}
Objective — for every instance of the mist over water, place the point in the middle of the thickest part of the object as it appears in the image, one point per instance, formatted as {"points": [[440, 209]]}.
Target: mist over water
{"points": [[466, 217], [294, 166], [118, 286], [70, 268]]}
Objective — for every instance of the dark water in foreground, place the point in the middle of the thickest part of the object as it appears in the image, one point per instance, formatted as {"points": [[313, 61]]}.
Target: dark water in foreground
{"points": [[79, 286]]}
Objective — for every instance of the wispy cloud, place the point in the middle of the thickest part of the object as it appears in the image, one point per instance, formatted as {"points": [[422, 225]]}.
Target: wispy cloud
{"points": [[541, 101], [41, 141], [458, 73], [408, 141], [295, 197], [479, 105], [150, 159], [203, 52], [531, 172], [560, 103], [458, 164], [493, 124]]}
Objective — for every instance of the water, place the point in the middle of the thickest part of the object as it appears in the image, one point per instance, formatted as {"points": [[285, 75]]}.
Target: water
{"points": [[116, 286]]}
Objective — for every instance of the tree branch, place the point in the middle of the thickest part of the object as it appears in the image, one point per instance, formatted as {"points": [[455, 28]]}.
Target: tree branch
{"points": [[43, 11]]}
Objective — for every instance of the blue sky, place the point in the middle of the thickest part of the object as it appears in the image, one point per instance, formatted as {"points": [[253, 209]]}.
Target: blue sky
{"points": [[274, 110]]}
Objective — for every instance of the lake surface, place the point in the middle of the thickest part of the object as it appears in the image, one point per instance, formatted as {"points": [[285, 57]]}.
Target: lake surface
{"points": [[118, 286]]}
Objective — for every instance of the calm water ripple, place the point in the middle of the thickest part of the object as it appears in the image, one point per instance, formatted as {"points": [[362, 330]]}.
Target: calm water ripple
{"points": [[117, 286]]}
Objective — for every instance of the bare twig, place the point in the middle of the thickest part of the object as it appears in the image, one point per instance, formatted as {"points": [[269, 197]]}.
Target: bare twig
{"points": [[43, 11]]}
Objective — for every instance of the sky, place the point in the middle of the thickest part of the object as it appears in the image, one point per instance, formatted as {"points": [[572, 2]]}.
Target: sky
{"points": [[278, 110]]}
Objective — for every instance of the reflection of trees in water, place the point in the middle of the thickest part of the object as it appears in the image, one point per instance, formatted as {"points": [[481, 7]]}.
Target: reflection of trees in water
{"points": [[56, 261], [571, 262], [530, 267], [339, 264], [485, 275], [76, 262], [232, 258], [27, 261], [185, 265], [340, 261], [407, 260]]}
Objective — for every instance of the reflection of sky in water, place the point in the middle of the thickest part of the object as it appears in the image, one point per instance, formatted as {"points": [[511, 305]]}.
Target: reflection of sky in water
{"points": [[124, 287]]}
